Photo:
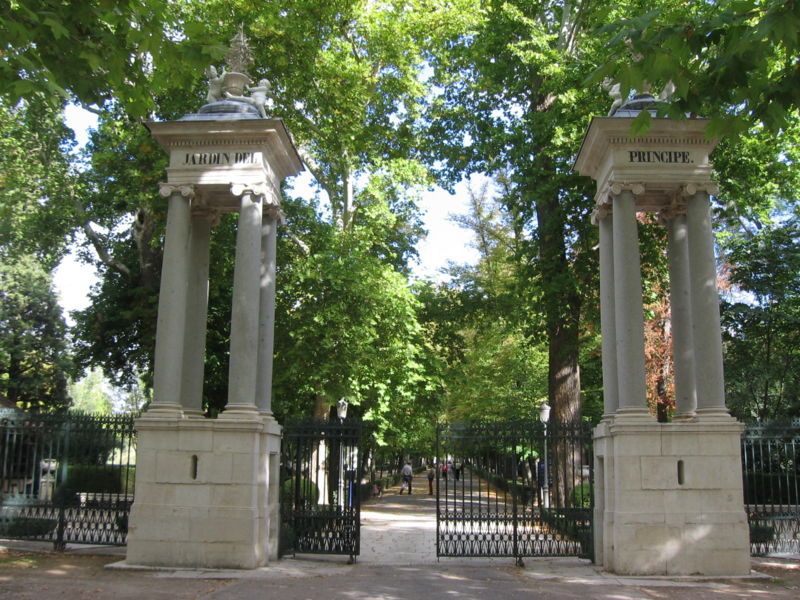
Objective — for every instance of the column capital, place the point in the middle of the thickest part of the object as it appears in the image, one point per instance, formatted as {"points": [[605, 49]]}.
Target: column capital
{"points": [[635, 187], [690, 189], [600, 212], [166, 190], [273, 211], [257, 189], [611, 189], [677, 207]]}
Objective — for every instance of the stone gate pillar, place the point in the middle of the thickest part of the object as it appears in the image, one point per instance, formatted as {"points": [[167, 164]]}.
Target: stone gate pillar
{"points": [[668, 496], [207, 489]]}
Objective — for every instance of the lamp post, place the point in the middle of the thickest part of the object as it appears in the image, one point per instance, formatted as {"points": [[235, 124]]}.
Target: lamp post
{"points": [[544, 416], [341, 412]]}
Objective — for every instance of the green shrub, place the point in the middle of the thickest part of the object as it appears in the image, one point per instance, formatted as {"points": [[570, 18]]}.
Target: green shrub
{"points": [[22, 527], [309, 492], [98, 479], [582, 496], [286, 539], [761, 534], [94, 479]]}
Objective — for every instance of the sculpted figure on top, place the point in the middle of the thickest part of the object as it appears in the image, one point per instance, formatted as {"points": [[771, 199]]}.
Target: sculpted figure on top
{"points": [[232, 84]]}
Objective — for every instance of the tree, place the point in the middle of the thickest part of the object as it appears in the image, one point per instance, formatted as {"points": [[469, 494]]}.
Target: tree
{"points": [[512, 101], [89, 394], [36, 182], [761, 321], [348, 328], [733, 60], [34, 361], [347, 90], [494, 368], [96, 51]]}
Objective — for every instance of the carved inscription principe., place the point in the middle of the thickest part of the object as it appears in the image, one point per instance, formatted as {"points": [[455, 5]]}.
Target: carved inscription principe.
{"points": [[660, 156], [220, 158]]}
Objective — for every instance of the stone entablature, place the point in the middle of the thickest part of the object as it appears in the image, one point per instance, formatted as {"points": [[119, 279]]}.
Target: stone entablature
{"points": [[656, 166], [213, 155]]}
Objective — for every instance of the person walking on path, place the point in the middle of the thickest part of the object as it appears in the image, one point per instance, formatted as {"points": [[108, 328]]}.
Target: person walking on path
{"points": [[431, 475], [408, 474]]}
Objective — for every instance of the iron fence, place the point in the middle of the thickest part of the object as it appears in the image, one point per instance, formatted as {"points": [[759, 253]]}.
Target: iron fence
{"points": [[321, 472], [514, 489], [771, 477], [66, 478]]}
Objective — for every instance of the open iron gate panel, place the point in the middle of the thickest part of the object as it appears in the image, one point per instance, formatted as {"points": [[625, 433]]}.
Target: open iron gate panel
{"points": [[514, 489], [321, 470]]}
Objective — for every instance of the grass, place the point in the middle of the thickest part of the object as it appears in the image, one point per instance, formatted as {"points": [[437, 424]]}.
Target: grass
{"points": [[14, 560]]}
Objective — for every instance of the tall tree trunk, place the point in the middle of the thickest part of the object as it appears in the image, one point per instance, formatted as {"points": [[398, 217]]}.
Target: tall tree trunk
{"points": [[562, 315], [562, 312]]}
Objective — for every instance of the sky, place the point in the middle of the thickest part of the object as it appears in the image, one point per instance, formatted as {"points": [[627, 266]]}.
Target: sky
{"points": [[446, 242]]}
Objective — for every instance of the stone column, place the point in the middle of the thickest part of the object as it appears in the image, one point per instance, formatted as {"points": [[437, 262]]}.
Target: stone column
{"points": [[266, 322], [628, 311], [603, 218], [245, 309], [194, 347], [681, 316], [170, 328], [706, 329]]}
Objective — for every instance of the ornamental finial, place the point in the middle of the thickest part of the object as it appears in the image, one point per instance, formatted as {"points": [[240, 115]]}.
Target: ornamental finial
{"points": [[239, 56]]}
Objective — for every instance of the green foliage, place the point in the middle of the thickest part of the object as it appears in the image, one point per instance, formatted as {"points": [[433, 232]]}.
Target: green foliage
{"points": [[734, 60], [34, 360], [88, 394], [22, 527], [761, 322], [309, 492], [100, 479], [36, 183], [95, 51], [582, 496], [512, 103], [351, 330]]}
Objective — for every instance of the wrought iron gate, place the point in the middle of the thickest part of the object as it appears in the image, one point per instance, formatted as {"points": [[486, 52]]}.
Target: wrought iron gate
{"points": [[514, 489], [321, 470], [66, 478], [771, 475]]}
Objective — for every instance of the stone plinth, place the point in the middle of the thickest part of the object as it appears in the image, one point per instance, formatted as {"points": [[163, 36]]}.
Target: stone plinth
{"points": [[206, 493], [668, 499]]}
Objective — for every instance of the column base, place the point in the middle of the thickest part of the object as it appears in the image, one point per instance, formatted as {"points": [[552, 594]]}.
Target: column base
{"points": [[193, 413], [165, 410], [688, 417], [715, 415], [248, 412], [633, 415], [670, 499]]}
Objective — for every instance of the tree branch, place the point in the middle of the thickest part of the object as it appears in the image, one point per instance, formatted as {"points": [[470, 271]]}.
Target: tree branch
{"points": [[98, 242]]}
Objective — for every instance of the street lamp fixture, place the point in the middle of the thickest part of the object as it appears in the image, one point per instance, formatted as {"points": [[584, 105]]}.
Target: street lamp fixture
{"points": [[341, 409], [544, 417], [544, 413]]}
